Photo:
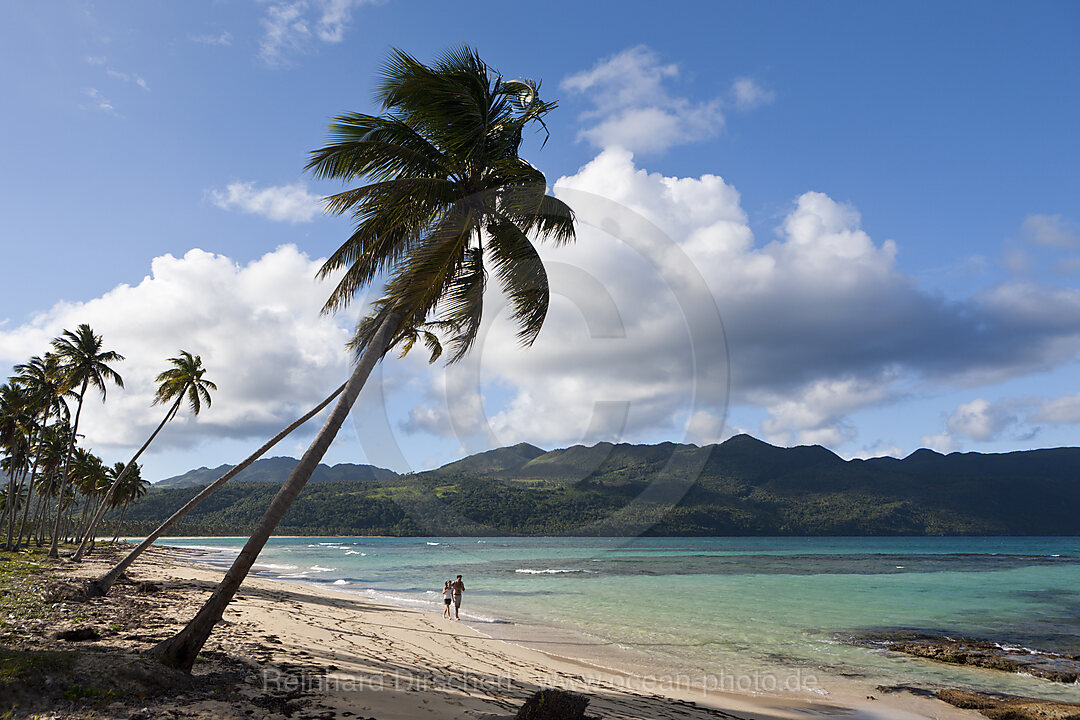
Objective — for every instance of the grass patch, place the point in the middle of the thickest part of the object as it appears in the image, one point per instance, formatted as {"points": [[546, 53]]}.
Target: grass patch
{"points": [[84, 692], [25, 668]]}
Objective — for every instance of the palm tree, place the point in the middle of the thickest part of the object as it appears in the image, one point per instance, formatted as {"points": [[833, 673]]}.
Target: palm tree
{"points": [[100, 586], [89, 477], [44, 383], [184, 380], [446, 190], [16, 419], [133, 488], [84, 365], [52, 444]]}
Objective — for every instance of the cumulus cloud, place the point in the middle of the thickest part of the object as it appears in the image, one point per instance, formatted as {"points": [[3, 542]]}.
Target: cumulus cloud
{"points": [[281, 203], [942, 443], [635, 110], [749, 95], [256, 326], [1050, 231], [291, 28], [1057, 410], [816, 413], [818, 324], [979, 420]]}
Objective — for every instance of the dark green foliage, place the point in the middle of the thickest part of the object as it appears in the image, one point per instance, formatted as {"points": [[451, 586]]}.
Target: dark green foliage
{"points": [[744, 487]]}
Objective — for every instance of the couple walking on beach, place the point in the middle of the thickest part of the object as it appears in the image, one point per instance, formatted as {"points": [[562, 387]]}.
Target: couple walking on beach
{"points": [[452, 594]]}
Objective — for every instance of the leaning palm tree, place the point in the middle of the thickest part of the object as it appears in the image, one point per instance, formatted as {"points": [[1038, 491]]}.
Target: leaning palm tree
{"points": [[101, 585], [85, 364], [446, 190], [184, 380]]}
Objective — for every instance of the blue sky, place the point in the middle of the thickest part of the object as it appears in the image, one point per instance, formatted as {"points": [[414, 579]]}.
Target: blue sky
{"points": [[879, 199]]}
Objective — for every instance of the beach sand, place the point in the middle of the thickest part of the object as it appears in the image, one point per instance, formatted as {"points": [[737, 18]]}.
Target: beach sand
{"points": [[312, 652]]}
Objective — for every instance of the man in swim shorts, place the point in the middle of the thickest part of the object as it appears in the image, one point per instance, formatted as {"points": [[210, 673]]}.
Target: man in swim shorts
{"points": [[458, 588]]}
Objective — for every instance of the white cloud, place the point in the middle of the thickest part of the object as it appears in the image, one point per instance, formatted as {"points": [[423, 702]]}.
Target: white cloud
{"points": [[1058, 410], [943, 443], [256, 326], [979, 420], [749, 95], [100, 102], [127, 77], [223, 39], [818, 324], [816, 413], [290, 28], [633, 108], [876, 450], [705, 428], [281, 203], [334, 20], [1050, 231]]}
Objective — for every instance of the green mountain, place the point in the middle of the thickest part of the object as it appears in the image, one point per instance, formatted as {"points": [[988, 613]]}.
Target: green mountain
{"points": [[503, 461], [740, 487], [274, 470]]}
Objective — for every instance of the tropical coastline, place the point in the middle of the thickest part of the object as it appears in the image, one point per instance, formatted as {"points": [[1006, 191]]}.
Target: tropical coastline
{"points": [[331, 654]]}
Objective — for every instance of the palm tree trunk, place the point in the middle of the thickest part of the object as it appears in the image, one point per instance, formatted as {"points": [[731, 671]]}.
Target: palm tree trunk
{"points": [[77, 557], [120, 523], [54, 549], [43, 509], [33, 476], [101, 585], [88, 501], [9, 509], [26, 509], [14, 491], [181, 650]]}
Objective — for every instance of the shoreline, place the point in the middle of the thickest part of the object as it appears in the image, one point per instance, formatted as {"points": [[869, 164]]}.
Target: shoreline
{"points": [[419, 664]]}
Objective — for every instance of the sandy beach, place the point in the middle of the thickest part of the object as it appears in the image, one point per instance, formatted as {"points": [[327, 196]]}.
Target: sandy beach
{"points": [[312, 652]]}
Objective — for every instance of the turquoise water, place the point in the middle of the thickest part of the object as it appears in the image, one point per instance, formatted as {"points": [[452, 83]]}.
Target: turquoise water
{"points": [[721, 606]]}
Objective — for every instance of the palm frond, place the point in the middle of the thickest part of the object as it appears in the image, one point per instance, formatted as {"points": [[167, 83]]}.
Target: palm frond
{"points": [[523, 277]]}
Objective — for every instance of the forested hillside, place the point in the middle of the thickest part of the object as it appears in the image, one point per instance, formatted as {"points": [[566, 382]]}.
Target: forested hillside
{"points": [[740, 487]]}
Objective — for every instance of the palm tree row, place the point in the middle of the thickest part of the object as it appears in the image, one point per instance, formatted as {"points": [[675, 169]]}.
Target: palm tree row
{"points": [[73, 488], [39, 440]]}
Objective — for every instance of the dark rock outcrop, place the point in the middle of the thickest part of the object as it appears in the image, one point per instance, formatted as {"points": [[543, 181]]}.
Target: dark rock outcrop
{"points": [[552, 704]]}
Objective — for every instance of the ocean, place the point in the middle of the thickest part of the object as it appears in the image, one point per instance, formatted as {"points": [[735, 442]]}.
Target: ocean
{"points": [[756, 614]]}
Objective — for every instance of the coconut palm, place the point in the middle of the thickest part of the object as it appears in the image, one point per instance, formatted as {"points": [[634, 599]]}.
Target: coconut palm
{"points": [[84, 364], [16, 419], [52, 443], [446, 190], [43, 380], [183, 381], [133, 488], [90, 478]]}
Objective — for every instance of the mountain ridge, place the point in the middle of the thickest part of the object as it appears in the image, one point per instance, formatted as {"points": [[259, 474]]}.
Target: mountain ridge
{"points": [[742, 486]]}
